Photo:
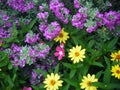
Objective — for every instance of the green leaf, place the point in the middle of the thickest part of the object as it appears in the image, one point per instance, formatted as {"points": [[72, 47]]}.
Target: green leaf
{"points": [[66, 87], [106, 86], [32, 23], [98, 74], [91, 43], [57, 69], [99, 84], [10, 66], [107, 73], [71, 82], [112, 43], [75, 40], [67, 65], [4, 59], [72, 73], [9, 80], [97, 64]]}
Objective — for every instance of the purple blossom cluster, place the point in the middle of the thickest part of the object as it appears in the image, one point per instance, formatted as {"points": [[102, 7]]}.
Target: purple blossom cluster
{"points": [[42, 15], [20, 56], [31, 38], [77, 4], [4, 33], [20, 5], [60, 11], [50, 31], [111, 19], [79, 18]]}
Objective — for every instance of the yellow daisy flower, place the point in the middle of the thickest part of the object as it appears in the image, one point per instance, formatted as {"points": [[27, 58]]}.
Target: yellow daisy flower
{"points": [[115, 56], [77, 54], [52, 82], [86, 81], [62, 37], [116, 71]]}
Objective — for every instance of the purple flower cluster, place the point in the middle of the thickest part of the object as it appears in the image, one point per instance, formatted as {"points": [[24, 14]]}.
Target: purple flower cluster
{"points": [[109, 19], [50, 31], [79, 18], [20, 5], [42, 15], [4, 33], [60, 11], [20, 56], [31, 38], [77, 4], [39, 51]]}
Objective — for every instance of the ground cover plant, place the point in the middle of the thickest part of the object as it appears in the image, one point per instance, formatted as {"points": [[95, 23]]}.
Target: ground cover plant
{"points": [[59, 45]]}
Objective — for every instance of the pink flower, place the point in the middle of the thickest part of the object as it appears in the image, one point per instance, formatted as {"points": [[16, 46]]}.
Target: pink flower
{"points": [[60, 52], [27, 88]]}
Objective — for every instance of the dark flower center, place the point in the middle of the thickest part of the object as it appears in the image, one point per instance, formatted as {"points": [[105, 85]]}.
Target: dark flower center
{"points": [[61, 35], [118, 71], [118, 57], [52, 82], [77, 54]]}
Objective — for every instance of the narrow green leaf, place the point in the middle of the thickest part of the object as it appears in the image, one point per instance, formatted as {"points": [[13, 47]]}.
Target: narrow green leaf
{"points": [[66, 87], [71, 82], [75, 40], [72, 73], [91, 43], [107, 73], [99, 74], [97, 64], [10, 66], [57, 69], [112, 43], [67, 65], [32, 23]]}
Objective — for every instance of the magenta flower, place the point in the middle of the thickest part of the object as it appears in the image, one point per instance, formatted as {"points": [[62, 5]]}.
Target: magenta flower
{"points": [[60, 53], [27, 88]]}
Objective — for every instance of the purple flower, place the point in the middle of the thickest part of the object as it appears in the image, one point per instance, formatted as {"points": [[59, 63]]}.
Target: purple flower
{"points": [[42, 15], [77, 4], [42, 27], [79, 19], [41, 8], [52, 31], [91, 29], [4, 33], [60, 11], [5, 17], [8, 24], [31, 38], [111, 19], [20, 5]]}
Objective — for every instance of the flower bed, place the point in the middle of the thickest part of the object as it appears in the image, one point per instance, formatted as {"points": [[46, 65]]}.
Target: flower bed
{"points": [[59, 45]]}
